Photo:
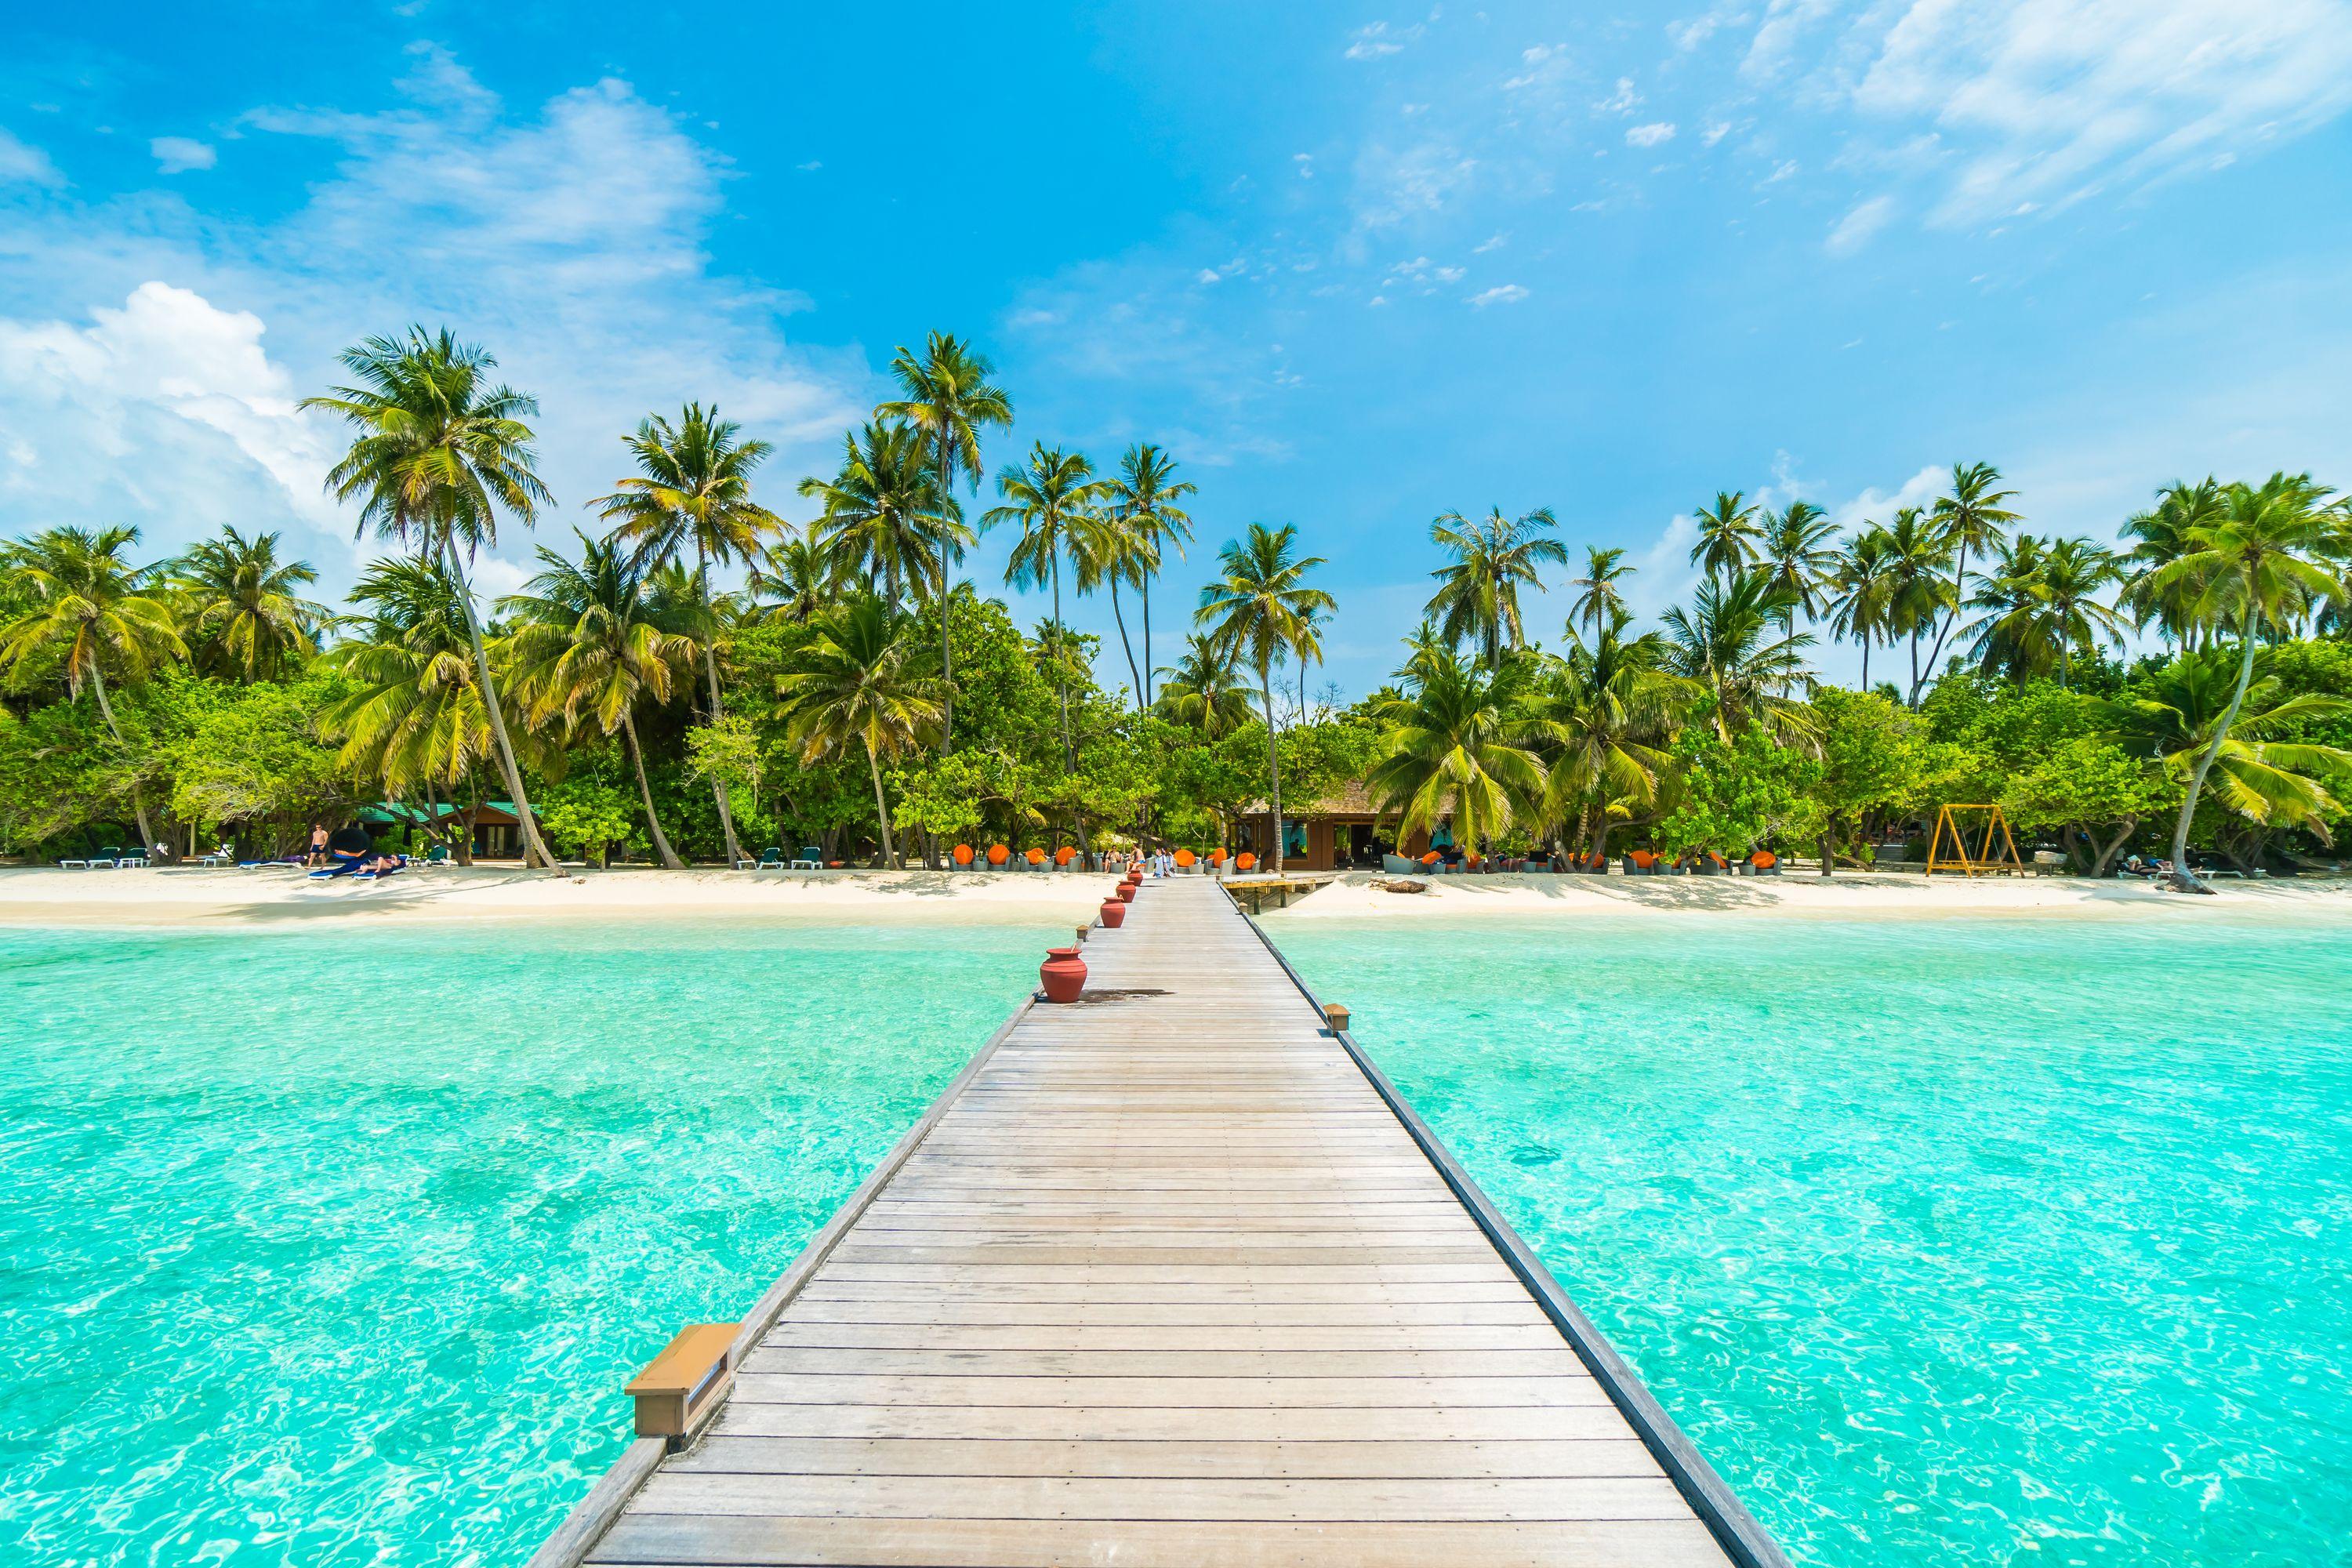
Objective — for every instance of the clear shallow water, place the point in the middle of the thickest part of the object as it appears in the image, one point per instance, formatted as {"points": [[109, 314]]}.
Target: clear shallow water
{"points": [[1949, 1241], [331, 1249]]}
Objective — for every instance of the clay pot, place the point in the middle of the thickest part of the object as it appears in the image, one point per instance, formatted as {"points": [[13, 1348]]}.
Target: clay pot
{"points": [[1126, 892], [1063, 974], [1114, 914]]}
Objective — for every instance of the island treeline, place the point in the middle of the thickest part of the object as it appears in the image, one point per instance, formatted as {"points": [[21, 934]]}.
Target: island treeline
{"points": [[689, 670]]}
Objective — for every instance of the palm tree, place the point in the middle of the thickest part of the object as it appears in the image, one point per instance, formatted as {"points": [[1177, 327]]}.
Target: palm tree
{"points": [[860, 683], [1862, 587], [2042, 606], [1204, 690], [1145, 495], [1611, 708], [1728, 535], [2200, 713], [243, 612], [1479, 594], [1729, 643], [1107, 549], [693, 487], [1260, 609], [800, 573], [1798, 557], [1917, 552], [1597, 597], [948, 395], [2255, 563], [886, 513], [1455, 748], [2160, 536], [1972, 518], [590, 641], [415, 719], [89, 611], [440, 452], [1052, 500]]}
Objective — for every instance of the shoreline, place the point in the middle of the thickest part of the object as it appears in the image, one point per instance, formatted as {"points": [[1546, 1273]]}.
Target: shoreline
{"points": [[163, 896], [171, 896]]}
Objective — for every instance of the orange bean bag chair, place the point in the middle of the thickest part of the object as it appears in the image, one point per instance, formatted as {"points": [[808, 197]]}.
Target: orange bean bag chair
{"points": [[1184, 859], [1764, 860], [1064, 856], [1036, 858], [998, 855], [1245, 860], [962, 854], [1216, 856]]}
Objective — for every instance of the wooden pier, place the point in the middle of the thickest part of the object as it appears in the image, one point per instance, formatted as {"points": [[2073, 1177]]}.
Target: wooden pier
{"points": [[1168, 1277]]}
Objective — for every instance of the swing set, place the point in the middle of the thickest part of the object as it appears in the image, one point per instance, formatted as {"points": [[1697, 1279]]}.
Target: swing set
{"points": [[1965, 842]]}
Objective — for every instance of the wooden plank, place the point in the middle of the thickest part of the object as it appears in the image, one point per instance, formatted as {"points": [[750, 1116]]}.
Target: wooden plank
{"points": [[1558, 1361], [806, 1332], [1245, 1392], [644, 1539], [1551, 1497], [1179, 1423], [1221, 1458]]}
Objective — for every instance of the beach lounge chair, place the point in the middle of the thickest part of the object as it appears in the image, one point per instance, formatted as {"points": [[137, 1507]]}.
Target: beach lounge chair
{"points": [[1764, 863], [1063, 857], [997, 855], [1244, 861], [960, 857], [772, 858], [78, 863], [1186, 860], [106, 859], [810, 859], [376, 876]]}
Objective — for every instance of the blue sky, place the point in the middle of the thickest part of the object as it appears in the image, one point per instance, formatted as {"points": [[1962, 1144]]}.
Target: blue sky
{"points": [[1354, 266]]}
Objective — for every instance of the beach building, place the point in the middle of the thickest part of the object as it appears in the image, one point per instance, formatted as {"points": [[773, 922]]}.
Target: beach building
{"points": [[1341, 831]]}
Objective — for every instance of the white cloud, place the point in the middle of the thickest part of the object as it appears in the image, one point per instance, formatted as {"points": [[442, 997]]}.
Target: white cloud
{"points": [[1497, 243], [1652, 135], [1371, 42], [22, 163], [1394, 186], [1624, 100], [449, 208], [2054, 100], [1501, 294], [163, 411], [1543, 65], [178, 155], [1855, 230]]}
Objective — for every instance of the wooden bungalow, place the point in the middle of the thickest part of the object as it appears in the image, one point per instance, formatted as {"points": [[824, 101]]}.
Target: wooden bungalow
{"points": [[1339, 832]]}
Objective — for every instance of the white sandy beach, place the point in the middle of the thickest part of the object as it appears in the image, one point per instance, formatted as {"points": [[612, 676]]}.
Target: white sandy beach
{"points": [[177, 895]]}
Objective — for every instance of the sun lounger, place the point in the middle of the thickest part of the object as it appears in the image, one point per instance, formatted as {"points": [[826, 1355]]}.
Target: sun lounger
{"points": [[770, 859], [810, 859]]}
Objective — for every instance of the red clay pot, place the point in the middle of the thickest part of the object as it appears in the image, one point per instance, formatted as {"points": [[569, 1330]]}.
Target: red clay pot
{"points": [[1113, 913], [1063, 974], [1126, 892]]}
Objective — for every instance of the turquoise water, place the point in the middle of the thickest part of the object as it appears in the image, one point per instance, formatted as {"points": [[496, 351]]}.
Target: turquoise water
{"points": [[330, 1248], [1981, 1241]]}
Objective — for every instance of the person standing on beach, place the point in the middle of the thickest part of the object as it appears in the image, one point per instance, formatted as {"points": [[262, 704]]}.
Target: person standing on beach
{"points": [[318, 845]]}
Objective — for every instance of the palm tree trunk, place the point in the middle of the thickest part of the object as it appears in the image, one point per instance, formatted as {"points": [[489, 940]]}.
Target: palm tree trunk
{"points": [[947, 658], [1865, 661], [710, 667], [1959, 598], [881, 811], [1131, 670], [1915, 669], [147, 843], [1144, 589], [1061, 668], [669, 859], [2183, 878], [532, 842], [1273, 762]]}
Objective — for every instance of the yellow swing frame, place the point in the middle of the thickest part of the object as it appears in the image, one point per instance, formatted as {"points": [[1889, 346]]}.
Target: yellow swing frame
{"points": [[1984, 859]]}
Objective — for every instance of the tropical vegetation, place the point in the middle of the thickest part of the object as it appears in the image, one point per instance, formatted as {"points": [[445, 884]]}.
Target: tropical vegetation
{"points": [[708, 667]]}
